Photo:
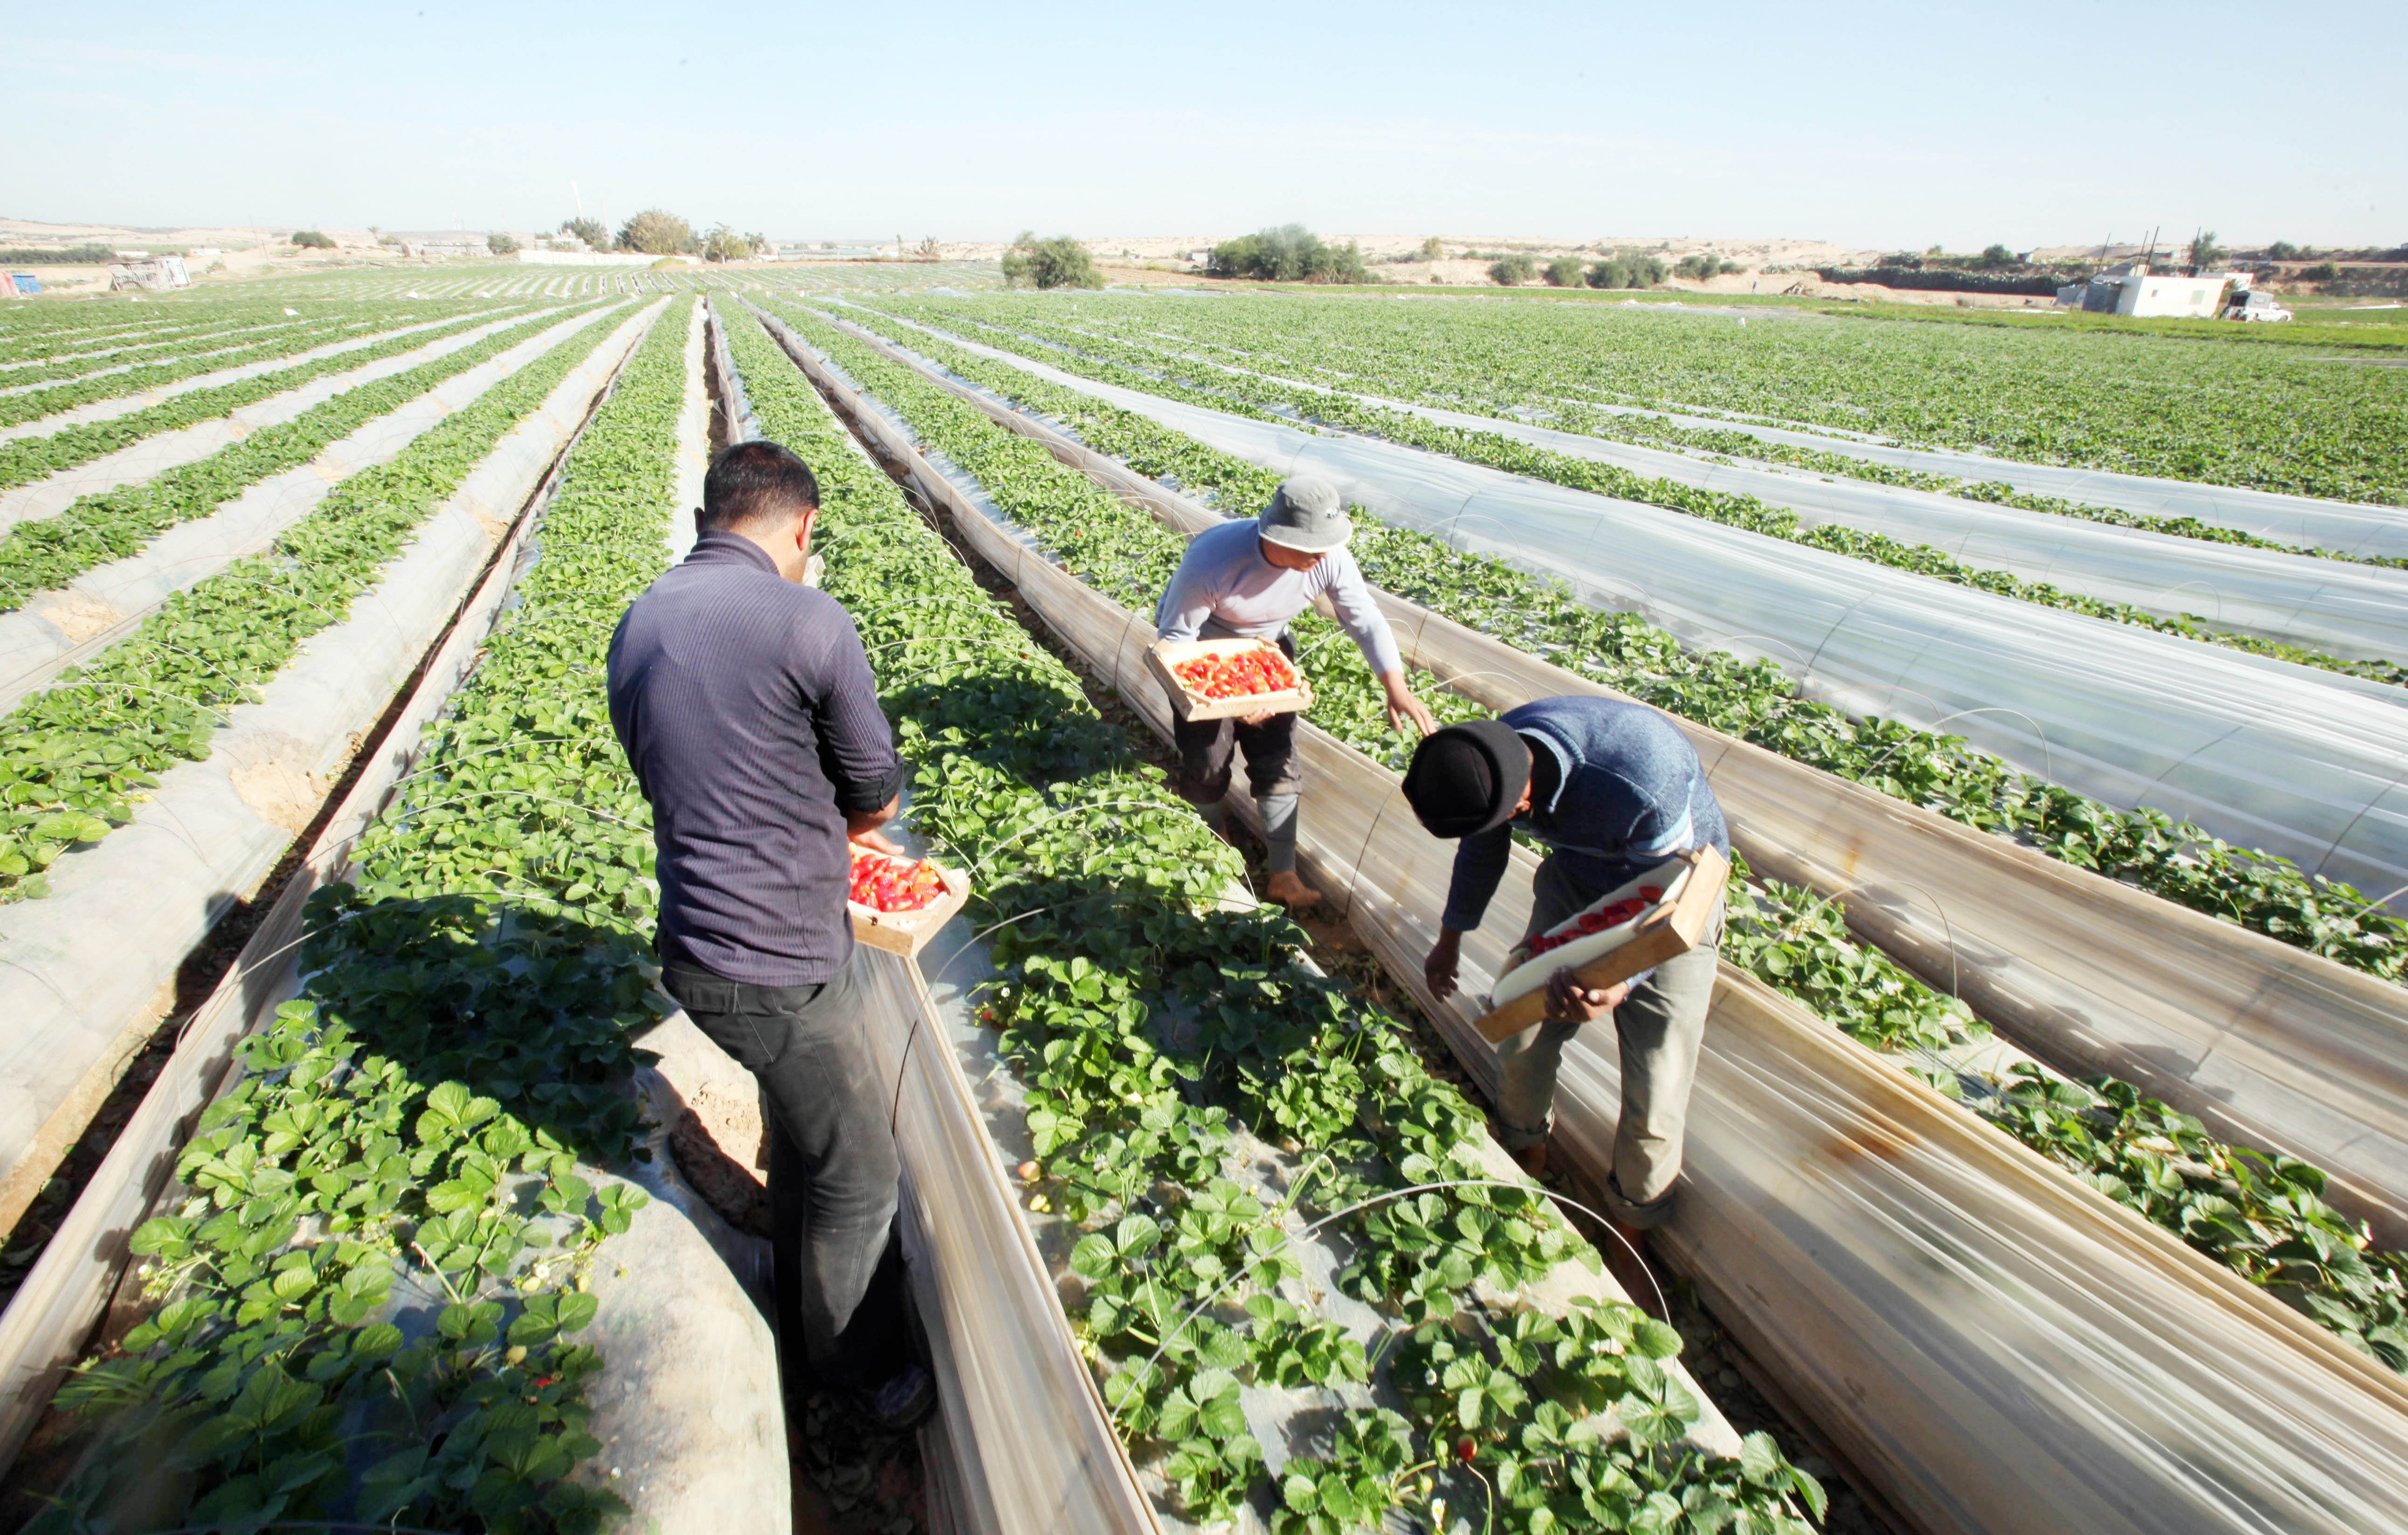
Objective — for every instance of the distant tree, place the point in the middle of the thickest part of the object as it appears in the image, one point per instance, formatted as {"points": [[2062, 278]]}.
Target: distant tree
{"points": [[1704, 266], [310, 240], [1513, 270], [1289, 253], [1567, 272], [929, 250], [2204, 252], [588, 230], [657, 233], [2323, 271], [502, 245], [1058, 263], [725, 244], [1935, 250], [1627, 269], [1997, 256], [2282, 251], [1433, 249]]}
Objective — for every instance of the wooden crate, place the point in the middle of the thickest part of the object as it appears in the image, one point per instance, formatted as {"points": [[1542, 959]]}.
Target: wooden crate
{"points": [[1168, 654], [907, 933], [1671, 929]]}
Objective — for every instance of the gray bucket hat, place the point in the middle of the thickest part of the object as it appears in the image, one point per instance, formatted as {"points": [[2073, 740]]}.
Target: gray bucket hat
{"points": [[1307, 514]]}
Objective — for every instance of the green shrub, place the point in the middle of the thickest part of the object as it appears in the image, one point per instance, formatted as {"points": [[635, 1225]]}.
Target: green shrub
{"points": [[1433, 249], [1627, 271], [312, 240], [588, 230], [1566, 272], [656, 231], [1290, 254], [725, 244], [2323, 271], [1518, 267], [1058, 263], [502, 245]]}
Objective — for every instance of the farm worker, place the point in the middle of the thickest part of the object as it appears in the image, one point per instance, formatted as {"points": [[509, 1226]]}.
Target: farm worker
{"points": [[745, 704], [1612, 789], [1246, 580]]}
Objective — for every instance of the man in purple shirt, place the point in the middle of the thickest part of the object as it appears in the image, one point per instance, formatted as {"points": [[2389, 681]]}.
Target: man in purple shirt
{"points": [[746, 705]]}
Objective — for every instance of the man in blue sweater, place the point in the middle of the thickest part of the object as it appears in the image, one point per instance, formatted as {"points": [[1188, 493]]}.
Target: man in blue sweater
{"points": [[1612, 789], [746, 706], [1246, 580]]}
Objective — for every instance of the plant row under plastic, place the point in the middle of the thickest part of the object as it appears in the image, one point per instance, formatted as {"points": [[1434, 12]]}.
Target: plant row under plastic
{"points": [[1151, 1025], [371, 1274], [30, 457], [1087, 351], [74, 756], [2260, 1215]]}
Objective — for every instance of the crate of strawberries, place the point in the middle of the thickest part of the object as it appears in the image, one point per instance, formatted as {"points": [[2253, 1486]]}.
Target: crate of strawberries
{"points": [[898, 903], [1226, 679], [1663, 913]]}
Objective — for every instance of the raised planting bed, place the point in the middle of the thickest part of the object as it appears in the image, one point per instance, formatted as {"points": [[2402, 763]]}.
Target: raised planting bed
{"points": [[411, 1273], [195, 751]]}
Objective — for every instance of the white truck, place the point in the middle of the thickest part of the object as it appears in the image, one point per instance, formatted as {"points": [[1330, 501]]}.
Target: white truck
{"points": [[2255, 303]]}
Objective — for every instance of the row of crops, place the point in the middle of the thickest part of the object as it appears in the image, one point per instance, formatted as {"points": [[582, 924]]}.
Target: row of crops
{"points": [[2191, 578], [394, 1221], [2261, 1216], [2181, 408]]}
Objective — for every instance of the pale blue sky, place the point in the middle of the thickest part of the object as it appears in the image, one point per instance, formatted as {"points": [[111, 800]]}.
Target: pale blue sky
{"points": [[1873, 124]]}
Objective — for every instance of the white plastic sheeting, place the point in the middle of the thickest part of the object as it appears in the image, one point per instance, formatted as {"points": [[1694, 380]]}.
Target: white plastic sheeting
{"points": [[2302, 763], [2347, 527], [155, 455], [69, 624], [688, 1404], [692, 439], [125, 404], [78, 966], [1996, 1345], [2357, 611]]}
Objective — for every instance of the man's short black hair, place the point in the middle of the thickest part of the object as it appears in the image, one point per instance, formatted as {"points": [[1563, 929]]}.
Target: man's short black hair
{"points": [[756, 483]]}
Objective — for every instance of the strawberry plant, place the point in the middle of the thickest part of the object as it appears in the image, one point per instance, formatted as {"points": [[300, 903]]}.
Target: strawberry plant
{"points": [[2216, 409], [1158, 1033], [1787, 937], [1267, 398], [29, 458], [429, 1117], [73, 757], [36, 556]]}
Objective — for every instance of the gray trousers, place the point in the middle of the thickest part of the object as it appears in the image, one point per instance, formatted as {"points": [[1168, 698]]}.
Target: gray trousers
{"points": [[835, 1179], [1659, 1026]]}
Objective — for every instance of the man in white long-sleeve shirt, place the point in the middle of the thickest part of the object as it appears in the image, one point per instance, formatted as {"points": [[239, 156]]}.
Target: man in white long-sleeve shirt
{"points": [[1246, 580]]}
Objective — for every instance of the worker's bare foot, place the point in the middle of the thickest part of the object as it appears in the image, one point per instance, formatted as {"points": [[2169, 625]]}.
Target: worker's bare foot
{"points": [[1289, 891], [1533, 1159]]}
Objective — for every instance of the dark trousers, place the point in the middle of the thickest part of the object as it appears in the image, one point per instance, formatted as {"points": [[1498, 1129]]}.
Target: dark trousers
{"points": [[1208, 749], [834, 1176]]}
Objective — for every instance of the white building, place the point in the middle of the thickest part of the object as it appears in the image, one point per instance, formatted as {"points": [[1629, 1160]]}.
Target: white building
{"points": [[2130, 289]]}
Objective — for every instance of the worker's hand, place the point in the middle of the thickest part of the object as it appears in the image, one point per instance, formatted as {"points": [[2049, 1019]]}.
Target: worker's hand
{"points": [[1570, 1002], [862, 826], [1257, 717], [1446, 956], [1403, 706]]}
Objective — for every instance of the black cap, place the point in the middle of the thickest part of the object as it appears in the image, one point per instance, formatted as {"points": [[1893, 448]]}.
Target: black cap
{"points": [[1466, 779]]}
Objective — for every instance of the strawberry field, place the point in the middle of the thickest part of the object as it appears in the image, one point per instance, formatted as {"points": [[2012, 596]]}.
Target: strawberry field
{"points": [[305, 596]]}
